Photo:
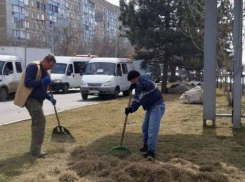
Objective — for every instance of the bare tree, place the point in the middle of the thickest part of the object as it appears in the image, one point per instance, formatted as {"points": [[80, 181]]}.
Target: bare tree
{"points": [[105, 47], [124, 48], [66, 40]]}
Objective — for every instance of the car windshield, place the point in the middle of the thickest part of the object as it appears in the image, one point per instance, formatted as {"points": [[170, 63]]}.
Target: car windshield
{"points": [[59, 68], [1, 67], [100, 69]]}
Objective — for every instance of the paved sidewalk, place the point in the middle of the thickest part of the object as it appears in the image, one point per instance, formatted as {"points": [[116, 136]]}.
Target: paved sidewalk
{"points": [[10, 113]]}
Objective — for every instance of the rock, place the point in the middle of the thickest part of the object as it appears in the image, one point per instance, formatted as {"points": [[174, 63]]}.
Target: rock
{"points": [[177, 89], [193, 96]]}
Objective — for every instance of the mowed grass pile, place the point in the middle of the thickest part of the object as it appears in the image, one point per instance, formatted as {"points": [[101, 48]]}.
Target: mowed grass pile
{"points": [[187, 152]]}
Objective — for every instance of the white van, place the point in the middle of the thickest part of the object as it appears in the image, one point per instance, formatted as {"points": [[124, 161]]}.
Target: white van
{"points": [[10, 73], [67, 72], [106, 76]]}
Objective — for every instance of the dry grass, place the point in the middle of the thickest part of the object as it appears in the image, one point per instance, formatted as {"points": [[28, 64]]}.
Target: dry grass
{"points": [[186, 151]]}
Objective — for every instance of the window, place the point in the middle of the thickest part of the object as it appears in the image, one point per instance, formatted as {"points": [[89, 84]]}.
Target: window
{"points": [[56, 9], [79, 66], [43, 7], [33, 25], [26, 13], [60, 68], [50, 7], [18, 67], [124, 69], [38, 5], [8, 69], [70, 68], [27, 24], [27, 35], [119, 71]]}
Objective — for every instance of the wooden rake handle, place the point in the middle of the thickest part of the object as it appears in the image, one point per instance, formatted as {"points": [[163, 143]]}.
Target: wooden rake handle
{"points": [[52, 96], [126, 119]]}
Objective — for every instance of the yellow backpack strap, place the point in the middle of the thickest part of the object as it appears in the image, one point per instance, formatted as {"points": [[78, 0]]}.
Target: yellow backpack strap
{"points": [[39, 72]]}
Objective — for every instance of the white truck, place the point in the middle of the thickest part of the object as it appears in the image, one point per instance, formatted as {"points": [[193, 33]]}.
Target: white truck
{"points": [[27, 55], [106, 76], [10, 72]]}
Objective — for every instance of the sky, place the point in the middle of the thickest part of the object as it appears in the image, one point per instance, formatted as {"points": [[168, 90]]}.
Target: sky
{"points": [[115, 2]]}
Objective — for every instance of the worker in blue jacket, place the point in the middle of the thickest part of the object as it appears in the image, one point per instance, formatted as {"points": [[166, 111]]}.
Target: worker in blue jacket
{"points": [[34, 102], [149, 96]]}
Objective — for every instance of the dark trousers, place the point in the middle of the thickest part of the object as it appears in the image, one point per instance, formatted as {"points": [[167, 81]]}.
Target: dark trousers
{"points": [[35, 109]]}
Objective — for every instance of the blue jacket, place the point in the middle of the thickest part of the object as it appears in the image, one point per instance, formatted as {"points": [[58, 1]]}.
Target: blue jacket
{"points": [[147, 94], [39, 91]]}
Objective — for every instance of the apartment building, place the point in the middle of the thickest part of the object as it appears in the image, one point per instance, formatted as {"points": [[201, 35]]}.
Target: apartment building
{"points": [[12, 16], [106, 16], [35, 20]]}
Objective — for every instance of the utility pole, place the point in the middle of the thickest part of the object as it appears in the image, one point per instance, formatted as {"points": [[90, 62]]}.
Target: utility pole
{"points": [[210, 58], [237, 63]]}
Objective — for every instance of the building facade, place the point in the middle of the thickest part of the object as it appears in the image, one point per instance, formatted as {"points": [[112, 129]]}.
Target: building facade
{"points": [[37, 20]]}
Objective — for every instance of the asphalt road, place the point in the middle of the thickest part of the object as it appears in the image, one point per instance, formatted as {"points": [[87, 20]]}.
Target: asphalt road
{"points": [[10, 113]]}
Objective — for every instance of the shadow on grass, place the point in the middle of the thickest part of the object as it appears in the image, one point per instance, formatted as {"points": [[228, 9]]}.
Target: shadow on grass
{"points": [[239, 135], [12, 167], [207, 149], [209, 130]]}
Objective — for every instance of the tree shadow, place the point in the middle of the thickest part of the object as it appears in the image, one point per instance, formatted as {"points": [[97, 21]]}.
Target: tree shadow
{"points": [[12, 167]]}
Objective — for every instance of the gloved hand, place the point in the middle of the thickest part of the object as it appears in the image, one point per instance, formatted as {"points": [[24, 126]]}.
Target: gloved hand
{"points": [[132, 86], [46, 80], [128, 110], [53, 101]]}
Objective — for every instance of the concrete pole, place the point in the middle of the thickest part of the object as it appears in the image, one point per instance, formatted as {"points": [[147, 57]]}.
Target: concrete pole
{"points": [[210, 47], [237, 63]]}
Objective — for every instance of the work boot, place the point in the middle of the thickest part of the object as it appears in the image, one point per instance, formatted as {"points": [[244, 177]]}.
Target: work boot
{"points": [[144, 149], [40, 155], [149, 155]]}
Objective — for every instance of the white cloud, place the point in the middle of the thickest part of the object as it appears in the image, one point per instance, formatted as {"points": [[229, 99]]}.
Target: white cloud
{"points": [[115, 2]]}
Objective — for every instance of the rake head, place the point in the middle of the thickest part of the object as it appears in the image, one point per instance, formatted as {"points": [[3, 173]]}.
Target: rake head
{"points": [[119, 152], [61, 134]]}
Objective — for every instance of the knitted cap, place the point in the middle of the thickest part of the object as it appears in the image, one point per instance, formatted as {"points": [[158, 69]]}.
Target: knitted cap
{"points": [[133, 74]]}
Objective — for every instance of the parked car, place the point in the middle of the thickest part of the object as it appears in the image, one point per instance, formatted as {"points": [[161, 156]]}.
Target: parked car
{"points": [[10, 73], [106, 76]]}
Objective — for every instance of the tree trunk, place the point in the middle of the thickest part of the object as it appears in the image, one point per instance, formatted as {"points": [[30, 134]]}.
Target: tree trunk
{"points": [[173, 77], [165, 77]]}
